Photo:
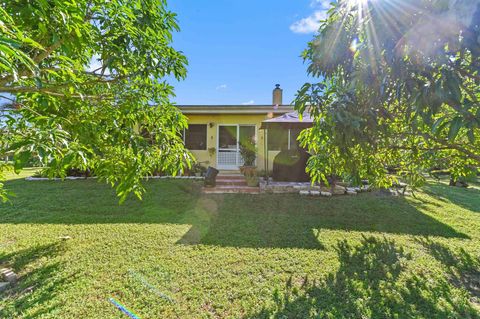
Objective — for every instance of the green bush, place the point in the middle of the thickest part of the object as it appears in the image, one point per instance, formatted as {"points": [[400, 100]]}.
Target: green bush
{"points": [[248, 151]]}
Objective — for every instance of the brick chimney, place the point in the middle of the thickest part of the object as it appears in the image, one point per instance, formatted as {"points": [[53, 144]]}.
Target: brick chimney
{"points": [[277, 95]]}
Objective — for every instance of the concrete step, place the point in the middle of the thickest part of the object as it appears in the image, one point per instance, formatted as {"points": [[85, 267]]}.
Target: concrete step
{"points": [[229, 172], [224, 189], [232, 182], [8, 275], [230, 177]]}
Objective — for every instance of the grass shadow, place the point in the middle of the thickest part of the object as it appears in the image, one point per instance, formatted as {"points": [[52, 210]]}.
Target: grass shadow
{"points": [[462, 268], [234, 220], [468, 198], [38, 286], [291, 221], [372, 281]]}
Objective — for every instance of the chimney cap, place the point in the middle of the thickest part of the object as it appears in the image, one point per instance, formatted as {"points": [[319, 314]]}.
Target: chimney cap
{"points": [[277, 86]]}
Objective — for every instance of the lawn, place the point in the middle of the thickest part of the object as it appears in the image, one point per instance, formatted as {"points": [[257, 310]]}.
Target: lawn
{"points": [[181, 254]]}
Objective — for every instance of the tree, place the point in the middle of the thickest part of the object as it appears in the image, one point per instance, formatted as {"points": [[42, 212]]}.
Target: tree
{"points": [[86, 81], [399, 89]]}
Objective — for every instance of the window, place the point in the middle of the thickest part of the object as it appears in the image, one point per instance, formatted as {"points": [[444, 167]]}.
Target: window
{"points": [[277, 139], [247, 133], [195, 137]]}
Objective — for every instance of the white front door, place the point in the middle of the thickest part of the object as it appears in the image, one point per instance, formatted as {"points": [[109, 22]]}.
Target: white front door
{"points": [[229, 139]]}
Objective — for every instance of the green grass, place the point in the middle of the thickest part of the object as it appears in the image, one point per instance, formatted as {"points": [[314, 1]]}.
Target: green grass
{"points": [[239, 256]]}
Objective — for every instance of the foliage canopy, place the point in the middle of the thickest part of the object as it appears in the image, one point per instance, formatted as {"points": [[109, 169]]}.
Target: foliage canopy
{"points": [[86, 81], [399, 88]]}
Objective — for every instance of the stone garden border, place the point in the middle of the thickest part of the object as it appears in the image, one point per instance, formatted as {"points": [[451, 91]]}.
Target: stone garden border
{"points": [[31, 178]]}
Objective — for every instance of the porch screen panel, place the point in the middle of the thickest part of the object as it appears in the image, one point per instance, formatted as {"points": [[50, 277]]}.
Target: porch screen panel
{"points": [[294, 133], [277, 139]]}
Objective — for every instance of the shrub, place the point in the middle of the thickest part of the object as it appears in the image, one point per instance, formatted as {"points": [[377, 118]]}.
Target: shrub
{"points": [[248, 151]]}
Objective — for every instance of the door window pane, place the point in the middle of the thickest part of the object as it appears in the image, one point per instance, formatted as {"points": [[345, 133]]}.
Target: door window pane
{"points": [[227, 137]]}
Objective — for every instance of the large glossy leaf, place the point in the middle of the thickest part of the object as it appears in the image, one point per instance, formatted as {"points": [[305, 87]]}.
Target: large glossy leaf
{"points": [[455, 126]]}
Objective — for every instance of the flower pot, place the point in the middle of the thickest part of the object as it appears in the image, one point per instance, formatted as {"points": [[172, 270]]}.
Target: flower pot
{"points": [[251, 176], [252, 181], [248, 170]]}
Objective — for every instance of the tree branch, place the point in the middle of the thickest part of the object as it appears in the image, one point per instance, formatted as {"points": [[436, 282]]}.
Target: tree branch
{"points": [[24, 89], [457, 147], [40, 57]]}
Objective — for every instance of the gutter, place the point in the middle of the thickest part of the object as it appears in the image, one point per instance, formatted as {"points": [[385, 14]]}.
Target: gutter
{"points": [[234, 109]]}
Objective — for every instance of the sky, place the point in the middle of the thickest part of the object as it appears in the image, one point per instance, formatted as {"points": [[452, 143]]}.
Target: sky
{"points": [[239, 50]]}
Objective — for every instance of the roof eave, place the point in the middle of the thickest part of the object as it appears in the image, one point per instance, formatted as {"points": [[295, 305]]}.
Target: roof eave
{"points": [[234, 109]]}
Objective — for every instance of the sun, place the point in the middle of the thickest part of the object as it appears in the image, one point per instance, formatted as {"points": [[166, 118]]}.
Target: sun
{"points": [[357, 2], [359, 5]]}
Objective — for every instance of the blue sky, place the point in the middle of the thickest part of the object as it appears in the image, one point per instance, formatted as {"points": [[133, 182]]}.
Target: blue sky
{"points": [[238, 50]]}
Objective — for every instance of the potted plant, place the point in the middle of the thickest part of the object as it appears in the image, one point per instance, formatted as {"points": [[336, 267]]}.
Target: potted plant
{"points": [[198, 169], [212, 151], [248, 151]]}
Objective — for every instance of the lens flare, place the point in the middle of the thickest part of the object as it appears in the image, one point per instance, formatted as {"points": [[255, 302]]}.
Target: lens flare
{"points": [[123, 309], [354, 45]]}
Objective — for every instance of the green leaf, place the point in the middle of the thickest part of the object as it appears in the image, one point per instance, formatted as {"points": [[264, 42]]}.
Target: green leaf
{"points": [[471, 136], [20, 160], [11, 42], [455, 126], [437, 125]]}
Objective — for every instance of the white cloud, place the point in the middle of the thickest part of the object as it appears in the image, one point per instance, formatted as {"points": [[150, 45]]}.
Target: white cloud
{"points": [[311, 24], [251, 102], [221, 87], [324, 4]]}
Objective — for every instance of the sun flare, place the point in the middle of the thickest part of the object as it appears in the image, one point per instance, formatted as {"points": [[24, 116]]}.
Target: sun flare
{"points": [[357, 2]]}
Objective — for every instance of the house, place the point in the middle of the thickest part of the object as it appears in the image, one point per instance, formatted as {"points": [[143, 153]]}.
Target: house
{"points": [[215, 132]]}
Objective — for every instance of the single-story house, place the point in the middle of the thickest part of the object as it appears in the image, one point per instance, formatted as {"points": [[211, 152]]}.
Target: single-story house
{"points": [[215, 132]]}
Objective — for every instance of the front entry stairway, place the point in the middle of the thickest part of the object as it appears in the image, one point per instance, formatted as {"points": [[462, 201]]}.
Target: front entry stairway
{"points": [[230, 183]]}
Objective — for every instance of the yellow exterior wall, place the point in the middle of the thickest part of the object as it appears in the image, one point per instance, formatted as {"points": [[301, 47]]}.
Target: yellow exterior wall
{"points": [[218, 119]]}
